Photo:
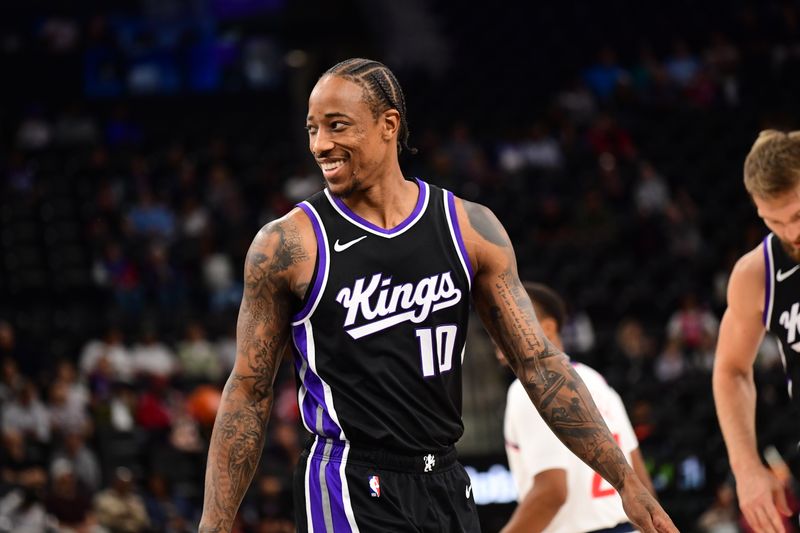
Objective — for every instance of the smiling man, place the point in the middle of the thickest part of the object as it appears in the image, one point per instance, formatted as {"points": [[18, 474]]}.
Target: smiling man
{"points": [[369, 282], [763, 295]]}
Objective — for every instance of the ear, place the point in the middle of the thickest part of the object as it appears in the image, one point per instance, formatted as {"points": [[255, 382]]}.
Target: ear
{"points": [[549, 327], [391, 124]]}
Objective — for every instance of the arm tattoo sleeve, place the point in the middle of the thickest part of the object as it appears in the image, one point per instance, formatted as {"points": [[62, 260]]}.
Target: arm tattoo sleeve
{"points": [[262, 337], [546, 373]]}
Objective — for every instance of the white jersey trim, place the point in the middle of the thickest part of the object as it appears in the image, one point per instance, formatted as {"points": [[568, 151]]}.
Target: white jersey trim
{"points": [[773, 286], [453, 237], [326, 267], [312, 363], [348, 504]]}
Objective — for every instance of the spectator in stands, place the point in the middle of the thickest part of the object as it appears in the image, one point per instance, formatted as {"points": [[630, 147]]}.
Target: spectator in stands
{"points": [[151, 218], [117, 271], [607, 136], [671, 363], [35, 131], [120, 508], [66, 414], [692, 325], [166, 510], [651, 193], [163, 283], [10, 378], [77, 391], [66, 500], [18, 461], [577, 101], [723, 515], [152, 357], [27, 415], [226, 348], [81, 460], [112, 350], [225, 291], [606, 75], [682, 66], [22, 509], [198, 358]]}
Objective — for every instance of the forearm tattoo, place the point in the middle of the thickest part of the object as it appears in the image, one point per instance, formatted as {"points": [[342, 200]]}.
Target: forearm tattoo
{"points": [[546, 373], [262, 337]]}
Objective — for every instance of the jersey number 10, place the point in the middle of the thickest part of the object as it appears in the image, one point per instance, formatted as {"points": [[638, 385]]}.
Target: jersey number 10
{"points": [[445, 340]]}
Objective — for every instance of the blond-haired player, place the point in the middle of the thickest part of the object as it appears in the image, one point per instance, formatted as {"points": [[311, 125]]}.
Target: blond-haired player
{"points": [[763, 295]]}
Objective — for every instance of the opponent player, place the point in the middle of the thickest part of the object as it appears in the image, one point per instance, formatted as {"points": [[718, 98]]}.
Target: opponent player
{"points": [[559, 493], [763, 295], [369, 281]]}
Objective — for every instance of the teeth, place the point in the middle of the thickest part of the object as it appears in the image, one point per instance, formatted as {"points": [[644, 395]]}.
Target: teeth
{"points": [[331, 166]]}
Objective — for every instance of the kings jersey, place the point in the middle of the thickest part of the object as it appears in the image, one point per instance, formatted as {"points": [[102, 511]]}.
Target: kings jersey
{"points": [[782, 308], [379, 341]]}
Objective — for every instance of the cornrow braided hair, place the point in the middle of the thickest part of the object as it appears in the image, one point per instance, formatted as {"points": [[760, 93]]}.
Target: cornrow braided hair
{"points": [[381, 88]]}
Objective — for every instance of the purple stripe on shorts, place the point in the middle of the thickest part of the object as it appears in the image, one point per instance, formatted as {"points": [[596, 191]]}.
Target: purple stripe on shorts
{"points": [[315, 491], [315, 392], [423, 193], [451, 204], [322, 253], [336, 493], [768, 280]]}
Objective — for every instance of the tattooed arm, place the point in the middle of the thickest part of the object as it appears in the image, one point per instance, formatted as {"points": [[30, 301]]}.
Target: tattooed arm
{"points": [[277, 264], [553, 385]]}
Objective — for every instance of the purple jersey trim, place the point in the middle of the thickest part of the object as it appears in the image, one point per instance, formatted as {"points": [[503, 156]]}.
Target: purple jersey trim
{"points": [[327, 456], [315, 390], [451, 203], [423, 193], [767, 281], [322, 264]]}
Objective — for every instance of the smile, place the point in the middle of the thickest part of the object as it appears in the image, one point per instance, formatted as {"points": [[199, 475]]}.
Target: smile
{"points": [[328, 167]]}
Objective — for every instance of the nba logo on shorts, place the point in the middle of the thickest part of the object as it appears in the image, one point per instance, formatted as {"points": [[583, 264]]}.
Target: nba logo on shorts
{"points": [[375, 486]]}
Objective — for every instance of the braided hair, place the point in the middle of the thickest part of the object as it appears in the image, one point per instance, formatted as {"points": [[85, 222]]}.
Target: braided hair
{"points": [[382, 91]]}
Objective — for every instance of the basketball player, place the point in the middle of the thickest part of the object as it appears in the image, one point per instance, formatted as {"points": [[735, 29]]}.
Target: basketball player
{"points": [[369, 282], [763, 295], [559, 493]]}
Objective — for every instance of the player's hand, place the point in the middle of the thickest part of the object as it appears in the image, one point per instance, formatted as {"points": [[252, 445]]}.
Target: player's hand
{"points": [[762, 498], [643, 510]]}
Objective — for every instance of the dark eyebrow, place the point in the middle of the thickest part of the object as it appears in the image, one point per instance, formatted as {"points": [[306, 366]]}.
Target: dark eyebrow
{"points": [[334, 114]]}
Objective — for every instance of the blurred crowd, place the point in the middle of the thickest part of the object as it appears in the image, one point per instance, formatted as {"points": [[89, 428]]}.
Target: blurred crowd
{"points": [[125, 228]]}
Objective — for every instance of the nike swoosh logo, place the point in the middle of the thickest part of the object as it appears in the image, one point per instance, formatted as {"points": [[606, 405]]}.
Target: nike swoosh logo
{"points": [[469, 490], [780, 276], [342, 247]]}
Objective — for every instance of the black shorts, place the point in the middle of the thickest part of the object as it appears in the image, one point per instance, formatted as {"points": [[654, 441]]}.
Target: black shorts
{"points": [[340, 489]]}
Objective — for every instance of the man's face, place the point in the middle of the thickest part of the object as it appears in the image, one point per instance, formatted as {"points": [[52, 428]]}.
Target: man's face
{"points": [[349, 144], [782, 216]]}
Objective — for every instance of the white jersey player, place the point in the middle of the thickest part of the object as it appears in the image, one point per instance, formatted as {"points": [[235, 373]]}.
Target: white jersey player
{"points": [[559, 493]]}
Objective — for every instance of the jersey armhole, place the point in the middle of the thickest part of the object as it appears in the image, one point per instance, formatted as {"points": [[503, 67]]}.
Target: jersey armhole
{"points": [[455, 234], [766, 318], [321, 265]]}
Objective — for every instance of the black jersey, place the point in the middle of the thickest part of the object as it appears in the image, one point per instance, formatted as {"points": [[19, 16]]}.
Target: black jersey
{"points": [[782, 307], [380, 339]]}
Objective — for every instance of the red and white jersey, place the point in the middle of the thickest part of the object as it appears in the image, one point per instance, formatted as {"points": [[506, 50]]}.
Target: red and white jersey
{"points": [[532, 448]]}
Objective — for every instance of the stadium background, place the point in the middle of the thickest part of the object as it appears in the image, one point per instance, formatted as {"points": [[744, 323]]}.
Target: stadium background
{"points": [[145, 142]]}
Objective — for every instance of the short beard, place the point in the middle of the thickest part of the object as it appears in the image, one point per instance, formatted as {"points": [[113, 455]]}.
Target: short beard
{"points": [[791, 251], [355, 185]]}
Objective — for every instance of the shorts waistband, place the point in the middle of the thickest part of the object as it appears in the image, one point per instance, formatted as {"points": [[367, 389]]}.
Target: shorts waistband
{"points": [[334, 450], [623, 527]]}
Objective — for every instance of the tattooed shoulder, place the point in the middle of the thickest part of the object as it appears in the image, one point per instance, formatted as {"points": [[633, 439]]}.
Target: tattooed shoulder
{"points": [[282, 238], [486, 224]]}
